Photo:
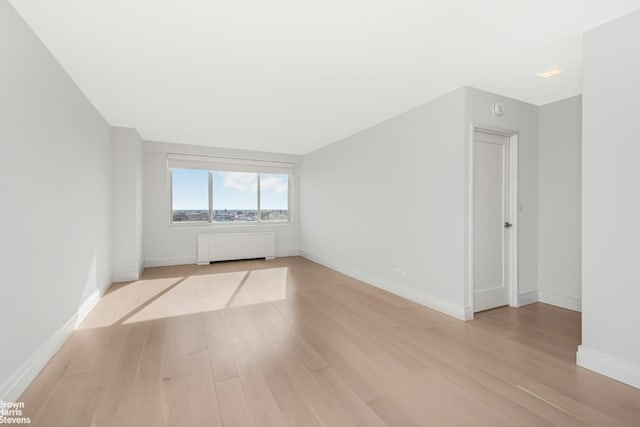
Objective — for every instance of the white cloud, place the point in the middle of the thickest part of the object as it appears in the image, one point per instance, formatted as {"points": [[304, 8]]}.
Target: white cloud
{"points": [[277, 183], [240, 181]]}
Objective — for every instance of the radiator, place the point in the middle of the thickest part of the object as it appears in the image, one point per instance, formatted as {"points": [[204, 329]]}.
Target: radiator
{"points": [[232, 246]]}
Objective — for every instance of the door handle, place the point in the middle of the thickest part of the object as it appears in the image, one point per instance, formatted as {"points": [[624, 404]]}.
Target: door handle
{"points": [[508, 225]]}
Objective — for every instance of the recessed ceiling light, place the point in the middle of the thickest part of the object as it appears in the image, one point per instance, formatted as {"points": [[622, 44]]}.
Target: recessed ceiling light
{"points": [[549, 73]]}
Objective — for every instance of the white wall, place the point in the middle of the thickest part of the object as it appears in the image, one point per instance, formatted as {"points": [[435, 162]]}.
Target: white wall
{"points": [[126, 153], [166, 244], [392, 197], [611, 201], [522, 118], [559, 210], [55, 193]]}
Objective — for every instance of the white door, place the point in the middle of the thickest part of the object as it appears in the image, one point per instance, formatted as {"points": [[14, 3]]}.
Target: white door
{"points": [[491, 222]]}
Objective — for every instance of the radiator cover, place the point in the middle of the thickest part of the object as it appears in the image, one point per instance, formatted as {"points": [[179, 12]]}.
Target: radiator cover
{"points": [[235, 246]]}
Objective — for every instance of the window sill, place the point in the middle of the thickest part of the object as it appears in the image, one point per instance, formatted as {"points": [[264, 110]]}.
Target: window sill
{"points": [[230, 225]]}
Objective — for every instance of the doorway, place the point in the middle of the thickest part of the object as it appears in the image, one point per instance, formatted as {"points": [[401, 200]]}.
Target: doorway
{"points": [[494, 219]]}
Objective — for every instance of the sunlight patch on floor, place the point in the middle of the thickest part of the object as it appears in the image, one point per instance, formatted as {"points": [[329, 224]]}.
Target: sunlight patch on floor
{"points": [[195, 294], [178, 296], [262, 286], [121, 301]]}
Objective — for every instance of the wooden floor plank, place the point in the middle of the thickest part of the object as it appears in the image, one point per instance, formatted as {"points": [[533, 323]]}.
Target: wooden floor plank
{"points": [[202, 398], [233, 403], [264, 407], [173, 399], [149, 378], [185, 335], [118, 396], [358, 411], [222, 364]]}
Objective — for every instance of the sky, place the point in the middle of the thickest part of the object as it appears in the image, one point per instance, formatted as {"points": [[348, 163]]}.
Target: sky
{"points": [[231, 190]]}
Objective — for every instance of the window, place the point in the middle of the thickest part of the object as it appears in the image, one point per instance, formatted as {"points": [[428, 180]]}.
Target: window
{"points": [[208, 192], [190, 195], [274, 197], [235, 196]]}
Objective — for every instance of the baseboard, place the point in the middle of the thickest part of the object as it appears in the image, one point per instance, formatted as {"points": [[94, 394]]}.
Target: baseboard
{"points": [[610, 366], [292, 252], [86, 307], [411, 294], [560, 300], [528, 297], [15, 385], [164, 262]]}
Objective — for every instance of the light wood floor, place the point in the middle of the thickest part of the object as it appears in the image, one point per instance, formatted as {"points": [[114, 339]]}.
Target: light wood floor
{"points": [[289, 342]]}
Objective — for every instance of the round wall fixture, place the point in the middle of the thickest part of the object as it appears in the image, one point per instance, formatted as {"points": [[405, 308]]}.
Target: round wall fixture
{"points": [[498, 108]]}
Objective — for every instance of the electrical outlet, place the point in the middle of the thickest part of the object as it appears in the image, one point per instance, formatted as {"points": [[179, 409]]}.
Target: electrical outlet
{"points": [[396, 271], [404, 274]]}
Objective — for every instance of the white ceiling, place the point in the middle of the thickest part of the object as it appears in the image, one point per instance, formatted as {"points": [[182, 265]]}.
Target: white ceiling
{"points": [[292, 75]]}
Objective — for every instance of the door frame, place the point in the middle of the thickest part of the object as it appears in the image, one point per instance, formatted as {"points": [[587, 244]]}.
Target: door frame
{"points": [[513, 213]]}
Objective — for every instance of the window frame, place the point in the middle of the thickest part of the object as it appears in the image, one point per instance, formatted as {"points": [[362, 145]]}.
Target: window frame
{"points": [[289, 172]]}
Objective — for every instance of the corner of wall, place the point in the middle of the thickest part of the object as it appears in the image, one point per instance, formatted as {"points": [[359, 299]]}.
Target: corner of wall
{"points": [[127, 203], [559, 300], [559, 203], [528, 297]]}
